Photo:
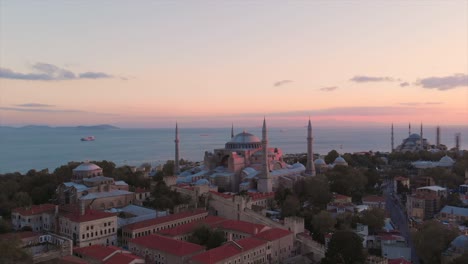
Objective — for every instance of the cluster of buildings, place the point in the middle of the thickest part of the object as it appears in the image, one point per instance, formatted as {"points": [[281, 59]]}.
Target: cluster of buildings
{"points": [[427, 201], [96, 214]]}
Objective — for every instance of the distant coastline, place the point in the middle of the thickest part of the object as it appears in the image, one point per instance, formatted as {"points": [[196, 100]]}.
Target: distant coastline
{"points": [[100, 127]]}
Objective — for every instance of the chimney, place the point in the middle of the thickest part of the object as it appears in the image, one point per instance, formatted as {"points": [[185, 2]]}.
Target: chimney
{"points": [[82, 207]]}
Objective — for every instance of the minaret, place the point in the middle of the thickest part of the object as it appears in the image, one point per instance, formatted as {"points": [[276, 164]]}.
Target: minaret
{"points": [[422, 139], [232, 131], [438, 136], [265, 182], [393, 140], [176, 161], [310, 169], [409, 129]]}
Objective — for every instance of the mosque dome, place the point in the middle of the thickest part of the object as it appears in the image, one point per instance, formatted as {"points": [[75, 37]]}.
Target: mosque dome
{"points": [[460, 242], [320, 162], [414, 136], [446, 161], [297, 165], [87, 166], [245, 137], [202, 182], [340, 161], [244, 140]]}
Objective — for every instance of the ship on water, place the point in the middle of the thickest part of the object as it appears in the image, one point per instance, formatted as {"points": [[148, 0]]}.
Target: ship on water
{"points": [[88, 138]]}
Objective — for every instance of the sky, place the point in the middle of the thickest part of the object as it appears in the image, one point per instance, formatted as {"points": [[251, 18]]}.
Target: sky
{"points": [[214, 63]]}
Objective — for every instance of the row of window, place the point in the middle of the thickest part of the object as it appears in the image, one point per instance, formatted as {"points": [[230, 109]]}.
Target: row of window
{"points": [[93, 234], [92, 226], [156, 228]]}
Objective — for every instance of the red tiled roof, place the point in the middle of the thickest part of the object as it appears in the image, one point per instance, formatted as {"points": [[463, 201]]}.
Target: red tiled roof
{"points": [[224, 195], [242, 226], [189, 227], [227, 250], [89, 215], [258, 196], [398, 261], [71, 260], [164, 219], [273, 234], [121, 258], [98, 252], [373, 199], [217, 254], [34, 209], [168, 245], [400, 178]]}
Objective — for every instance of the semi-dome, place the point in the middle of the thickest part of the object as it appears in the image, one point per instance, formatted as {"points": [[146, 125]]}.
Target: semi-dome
{"points": [[87, 166], [446, 161], [244, 140], [340, 161]]}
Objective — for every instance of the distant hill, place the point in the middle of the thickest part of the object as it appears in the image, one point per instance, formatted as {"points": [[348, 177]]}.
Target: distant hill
{"points": [[96, 127]]}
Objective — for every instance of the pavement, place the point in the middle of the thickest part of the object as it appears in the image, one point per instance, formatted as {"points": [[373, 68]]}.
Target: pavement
{"points": [[399, 219]]}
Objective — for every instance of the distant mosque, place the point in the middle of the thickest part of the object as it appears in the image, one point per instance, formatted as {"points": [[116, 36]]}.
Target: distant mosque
{"points": [[247, 163], [416, 142]]}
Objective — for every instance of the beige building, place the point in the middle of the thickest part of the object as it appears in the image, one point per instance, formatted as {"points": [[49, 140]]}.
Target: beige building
{"points": [[160, 249], [98, 192], [374, 201], [422, 206], [83, 226], [32, 217], [88, 227]]}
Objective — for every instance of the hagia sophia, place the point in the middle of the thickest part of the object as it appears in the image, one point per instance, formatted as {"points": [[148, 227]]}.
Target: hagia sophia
{"points": [[248, 163]]}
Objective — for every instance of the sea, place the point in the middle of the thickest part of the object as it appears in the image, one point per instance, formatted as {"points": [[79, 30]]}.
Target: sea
{"points": [[23, 149]]}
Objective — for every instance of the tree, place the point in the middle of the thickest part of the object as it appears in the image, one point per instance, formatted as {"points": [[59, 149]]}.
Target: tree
{"points": [[205, 236], [4, 226], [331, 156], [291, 206], [374, 219], [344, 247], [463, 259], [22, 199], [314, 190], [431, 240], [322, 223], [216, 239], [347, 181], [12, 252], [168, 168], [281, 194]]}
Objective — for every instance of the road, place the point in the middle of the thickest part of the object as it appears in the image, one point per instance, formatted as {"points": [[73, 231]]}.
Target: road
{"points": [[399, 218]]}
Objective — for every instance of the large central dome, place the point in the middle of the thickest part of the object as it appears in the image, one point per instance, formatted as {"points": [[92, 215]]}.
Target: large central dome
{"points": [[244, 140]]}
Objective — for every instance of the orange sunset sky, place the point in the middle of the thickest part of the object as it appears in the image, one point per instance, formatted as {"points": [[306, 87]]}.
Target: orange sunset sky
{"points": [[213, 63]]}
